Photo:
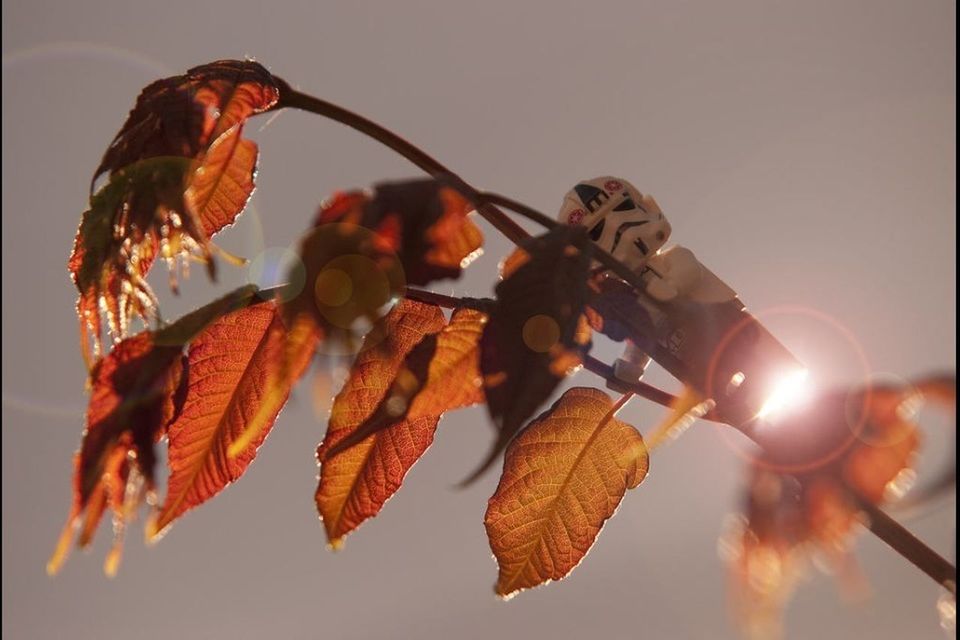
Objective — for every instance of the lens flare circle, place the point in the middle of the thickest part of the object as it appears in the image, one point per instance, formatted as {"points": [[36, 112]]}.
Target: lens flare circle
{"points": [[783, 399]]}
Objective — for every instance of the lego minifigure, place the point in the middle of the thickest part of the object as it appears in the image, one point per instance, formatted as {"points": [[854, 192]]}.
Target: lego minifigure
{"points": [[631, 226]]}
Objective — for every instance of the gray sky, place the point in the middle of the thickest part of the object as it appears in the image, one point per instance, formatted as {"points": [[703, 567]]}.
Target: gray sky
{"points": [[804, 150]]}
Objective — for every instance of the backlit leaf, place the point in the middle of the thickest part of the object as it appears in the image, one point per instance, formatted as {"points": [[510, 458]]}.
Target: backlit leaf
{"points": [[425, 224], [136, 391], [355, 484], [230, 364], [179, 172], [820, 463], [134, 397], [533, 338], [440, 373], [182, 115], [563, 477], [364, 250]]}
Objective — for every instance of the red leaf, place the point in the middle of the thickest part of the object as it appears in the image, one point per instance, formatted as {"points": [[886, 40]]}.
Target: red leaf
{"points": [[230, 364], [182, 115], [131, 403], [820, 464], [355, 484], [134, 397], [424, 223], [179, 172], [136, 392]]}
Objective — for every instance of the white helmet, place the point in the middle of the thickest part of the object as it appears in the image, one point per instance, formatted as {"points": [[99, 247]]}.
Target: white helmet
{"points": [[620, 219]]}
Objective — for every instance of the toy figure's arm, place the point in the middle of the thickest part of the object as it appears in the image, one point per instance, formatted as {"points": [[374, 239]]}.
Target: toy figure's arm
{"points": [[672, 273], [631, 366]]}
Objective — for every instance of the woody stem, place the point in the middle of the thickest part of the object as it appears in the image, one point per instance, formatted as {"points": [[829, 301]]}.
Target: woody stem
{"points": [[289, 97]]}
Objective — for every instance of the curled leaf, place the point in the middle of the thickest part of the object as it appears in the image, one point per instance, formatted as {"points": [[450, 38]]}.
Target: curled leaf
{"points": [[137, 390], [366, 247], [534, 338], [179, 172], [422, 222], [182, 115], [563, 477], [134, 397]]}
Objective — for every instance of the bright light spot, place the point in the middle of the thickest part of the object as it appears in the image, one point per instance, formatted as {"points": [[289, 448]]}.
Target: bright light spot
{"points": [[764, 570], [900, 485], [789, 392], [910, 407], [470, 257], [947, 608], [735, 381]]}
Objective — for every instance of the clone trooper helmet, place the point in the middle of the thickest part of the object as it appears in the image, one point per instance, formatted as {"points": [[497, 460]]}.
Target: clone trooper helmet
{"points": [[620, 219]]}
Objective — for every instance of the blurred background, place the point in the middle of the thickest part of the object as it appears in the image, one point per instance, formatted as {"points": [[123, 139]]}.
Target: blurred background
{"points": [[804, 150]]}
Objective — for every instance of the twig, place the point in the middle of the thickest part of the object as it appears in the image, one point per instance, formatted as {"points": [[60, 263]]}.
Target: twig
{"points": [[290, 97], [909, 546]]}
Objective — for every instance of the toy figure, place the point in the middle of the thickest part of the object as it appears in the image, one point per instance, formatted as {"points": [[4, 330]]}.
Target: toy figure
{"points": [[702, 333]]}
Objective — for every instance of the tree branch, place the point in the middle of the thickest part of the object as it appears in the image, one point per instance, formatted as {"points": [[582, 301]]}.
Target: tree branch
{"points": [[884, 527]]}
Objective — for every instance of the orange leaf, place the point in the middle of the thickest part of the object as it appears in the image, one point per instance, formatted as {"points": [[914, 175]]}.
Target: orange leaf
{"points": [[355, 484], [440, 373], [563, 477], [453, 379], [222, 184], [847, 446], [131, 403], [230, 365], [367, 246], [182, 115]]}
